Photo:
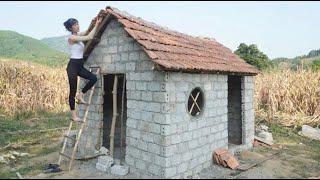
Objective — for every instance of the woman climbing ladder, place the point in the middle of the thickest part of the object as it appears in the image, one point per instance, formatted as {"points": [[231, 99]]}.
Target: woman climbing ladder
{"points": [[75, 66]]}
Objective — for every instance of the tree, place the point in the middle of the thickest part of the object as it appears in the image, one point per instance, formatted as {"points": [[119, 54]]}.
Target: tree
{"points": [[252, 55], [315, 65]]}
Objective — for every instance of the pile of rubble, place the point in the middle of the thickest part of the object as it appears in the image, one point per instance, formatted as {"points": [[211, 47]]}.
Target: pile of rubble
{"points": [[310, 132], [11, 156], [262, 136], [224, 158], [106, 164]]}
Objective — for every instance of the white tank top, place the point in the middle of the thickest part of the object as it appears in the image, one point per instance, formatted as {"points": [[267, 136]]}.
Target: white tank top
{"points": [[76, 49]]}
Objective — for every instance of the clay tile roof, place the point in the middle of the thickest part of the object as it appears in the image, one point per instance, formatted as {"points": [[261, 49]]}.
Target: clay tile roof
{"points": [[172, 50]]}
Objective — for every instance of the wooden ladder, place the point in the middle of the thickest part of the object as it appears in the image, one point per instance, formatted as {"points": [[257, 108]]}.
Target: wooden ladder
{"points": [[83, 122]]}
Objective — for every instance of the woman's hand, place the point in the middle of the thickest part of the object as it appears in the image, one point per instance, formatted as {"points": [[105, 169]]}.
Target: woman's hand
{"points": [[98, 21]]}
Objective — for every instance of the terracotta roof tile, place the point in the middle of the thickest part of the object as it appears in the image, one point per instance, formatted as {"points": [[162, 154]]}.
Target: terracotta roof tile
{"points": [[177, 51]]}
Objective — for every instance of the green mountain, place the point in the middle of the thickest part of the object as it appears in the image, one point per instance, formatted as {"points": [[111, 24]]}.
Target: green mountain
{"points": [[17, 46], [58, 43], [304, 61]]}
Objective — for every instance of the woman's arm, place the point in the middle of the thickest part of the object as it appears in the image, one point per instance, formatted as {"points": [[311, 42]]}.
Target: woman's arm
{"points": [[82, 33], [79, 37], [82, 37]]}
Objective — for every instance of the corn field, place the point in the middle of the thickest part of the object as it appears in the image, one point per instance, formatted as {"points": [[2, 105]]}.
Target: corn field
{"points": [[290, 98], [27, 87]]}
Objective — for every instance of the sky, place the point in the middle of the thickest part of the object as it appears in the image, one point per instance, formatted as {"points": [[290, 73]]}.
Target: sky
{"points": [[279, 29]]}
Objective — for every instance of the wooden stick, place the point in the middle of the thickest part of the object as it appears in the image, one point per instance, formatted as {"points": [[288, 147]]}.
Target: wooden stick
{"points": [[122, 109], [19, 175], [193, 103], [6, 146], [259, 162], [16, 145], [114, 117], [100, 139], [26, 132], [65, 142]]}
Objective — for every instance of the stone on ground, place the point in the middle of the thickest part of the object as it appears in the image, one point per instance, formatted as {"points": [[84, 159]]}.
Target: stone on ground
{"points": [[119, 170], [313, 133], [104, 163]]}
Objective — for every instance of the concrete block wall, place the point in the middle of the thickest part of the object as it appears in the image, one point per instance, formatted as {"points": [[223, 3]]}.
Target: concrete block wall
{"points": [[116, 53], [191, 140], [247, 92], [163, 139]]}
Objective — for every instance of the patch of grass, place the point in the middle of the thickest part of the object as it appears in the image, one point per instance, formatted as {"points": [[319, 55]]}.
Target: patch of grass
{"points": [[29, 169], [46, 142], [301, 152], [7, 175], [19, 122], [44, 150]]}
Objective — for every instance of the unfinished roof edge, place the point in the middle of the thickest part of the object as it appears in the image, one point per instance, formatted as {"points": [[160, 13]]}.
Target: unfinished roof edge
{"points": [[172, 50]]}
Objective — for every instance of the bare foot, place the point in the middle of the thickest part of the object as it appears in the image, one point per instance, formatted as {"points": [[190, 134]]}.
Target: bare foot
{"points": [[80, 98], [74, 117]]}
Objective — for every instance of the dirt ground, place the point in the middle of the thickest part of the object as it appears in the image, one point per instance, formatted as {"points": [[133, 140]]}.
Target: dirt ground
{"points": [[291, 162], [284, 165], [298, 157]]}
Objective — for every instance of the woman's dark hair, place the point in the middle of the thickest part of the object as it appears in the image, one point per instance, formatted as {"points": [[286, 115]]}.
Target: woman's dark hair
{"points": [[68, 24]]}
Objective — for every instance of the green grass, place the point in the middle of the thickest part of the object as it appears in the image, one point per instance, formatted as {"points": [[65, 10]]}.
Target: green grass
{"points": [[32, 169], [45, 121], [308, 150], [44, 142]]}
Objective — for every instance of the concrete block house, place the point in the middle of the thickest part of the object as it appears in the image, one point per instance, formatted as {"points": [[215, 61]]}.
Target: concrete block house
{"points": [[179, 97]]}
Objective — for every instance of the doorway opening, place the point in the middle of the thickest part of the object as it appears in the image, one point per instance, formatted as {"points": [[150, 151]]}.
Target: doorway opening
{"points": [[234, 110], [119, 116]]}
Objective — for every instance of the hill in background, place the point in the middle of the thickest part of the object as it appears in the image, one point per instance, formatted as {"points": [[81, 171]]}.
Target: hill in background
{"points": [[297, 62], [17, 46], [53, 51], [57, 43]]}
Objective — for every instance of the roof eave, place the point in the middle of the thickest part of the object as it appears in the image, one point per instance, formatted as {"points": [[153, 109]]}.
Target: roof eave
{"points": [[162, 68]]}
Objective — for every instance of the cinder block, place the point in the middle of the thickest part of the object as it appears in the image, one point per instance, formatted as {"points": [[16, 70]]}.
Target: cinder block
{"points": [[159, 97], [153, 86], [154, 148], [153, 107], [131, 85], [105, 160], [148, 137], [130, 66], [112, 49], [146, 95], [141, 164], [147, 156], [155, 169], [141, 86], [187, 156], [119, 170], [102, 167], [169, 172], [144, 56], [169, 150], [182, 167], [132, 55]]}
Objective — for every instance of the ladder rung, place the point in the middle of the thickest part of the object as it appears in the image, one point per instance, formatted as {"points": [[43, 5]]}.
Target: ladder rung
{"points": [[82, 103], [76, 121], [70, 138], [94, 67], [65, 155]]}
